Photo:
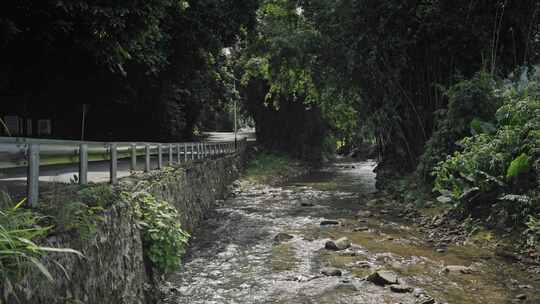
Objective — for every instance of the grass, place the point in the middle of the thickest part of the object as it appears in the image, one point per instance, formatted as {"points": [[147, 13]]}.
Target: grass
{"points": [[267, 166], [20, 228]]}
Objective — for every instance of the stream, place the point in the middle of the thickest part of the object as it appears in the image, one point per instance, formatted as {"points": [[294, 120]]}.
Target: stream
{"points": [[243, 252]]}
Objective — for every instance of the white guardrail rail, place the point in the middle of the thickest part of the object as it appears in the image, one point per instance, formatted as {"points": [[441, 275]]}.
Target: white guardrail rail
{"points": [[16, 152]]}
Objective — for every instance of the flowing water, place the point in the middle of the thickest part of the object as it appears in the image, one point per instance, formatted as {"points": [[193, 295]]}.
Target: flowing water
{"points": [[234, 258]]}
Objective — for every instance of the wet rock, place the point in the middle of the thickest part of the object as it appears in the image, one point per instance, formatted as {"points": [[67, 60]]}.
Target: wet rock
{"points": [[307, 204], [361, 228], [458, 269], [340, 244], [282, 237], [364, 213], [331, 272], [362, 264], [426, 300], [383, 278], [330, 223], [521, 296], [400, 288]]}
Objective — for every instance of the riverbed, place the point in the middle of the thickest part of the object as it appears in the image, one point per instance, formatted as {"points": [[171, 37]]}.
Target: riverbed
{"points": [[266, 244]]}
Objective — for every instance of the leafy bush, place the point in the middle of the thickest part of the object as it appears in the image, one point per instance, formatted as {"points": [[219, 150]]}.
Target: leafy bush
{"points": [[471, 109], [163, 238], [19, 228], [533, 230], [493, 164]]}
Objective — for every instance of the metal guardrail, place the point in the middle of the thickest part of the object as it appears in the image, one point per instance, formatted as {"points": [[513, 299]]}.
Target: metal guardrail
{"points": [[33, 153]]}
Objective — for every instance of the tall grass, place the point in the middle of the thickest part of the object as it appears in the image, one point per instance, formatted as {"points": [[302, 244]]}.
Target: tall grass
{"points": [[19, 254]]}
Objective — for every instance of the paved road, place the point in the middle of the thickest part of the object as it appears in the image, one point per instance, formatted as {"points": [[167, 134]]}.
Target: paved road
{"points": [[229, 136], [14, 180]]}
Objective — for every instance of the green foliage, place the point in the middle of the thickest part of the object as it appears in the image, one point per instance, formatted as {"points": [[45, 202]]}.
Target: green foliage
{"points": [[164, 239], [399, 53], [533, 230], [471, 109], [492, 162], [80, 213], [19, 254], [518, 166], [266, 164]]}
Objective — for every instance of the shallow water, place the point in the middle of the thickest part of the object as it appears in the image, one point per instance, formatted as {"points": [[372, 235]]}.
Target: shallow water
{"points": [[233, 257]]}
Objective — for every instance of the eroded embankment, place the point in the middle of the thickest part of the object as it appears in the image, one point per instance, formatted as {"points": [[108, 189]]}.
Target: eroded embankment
{"points": [[115, 268], [266, 244]]}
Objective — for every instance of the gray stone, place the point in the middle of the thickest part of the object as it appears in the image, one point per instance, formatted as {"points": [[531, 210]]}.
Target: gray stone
{"points": [[521, 296], [458, 269], [444, 199], [426, 300], [340, 244], [364, 213], [383, 278], [307, 204], [331, 272], [330, 223], [400, 288], [361, 228], [282, 237]]}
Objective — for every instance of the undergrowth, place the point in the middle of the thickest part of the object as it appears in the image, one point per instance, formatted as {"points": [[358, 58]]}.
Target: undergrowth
{"points": [[495, 171], [163, 238], [20, 229], [265, 164]]}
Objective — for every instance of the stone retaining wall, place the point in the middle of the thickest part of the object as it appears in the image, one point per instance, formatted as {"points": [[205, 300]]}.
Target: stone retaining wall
{"points": [[113, 270]]}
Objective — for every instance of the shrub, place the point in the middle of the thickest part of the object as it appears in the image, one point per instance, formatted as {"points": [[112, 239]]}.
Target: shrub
{"points": [[471, 109], [163, 238], [501, 162]]}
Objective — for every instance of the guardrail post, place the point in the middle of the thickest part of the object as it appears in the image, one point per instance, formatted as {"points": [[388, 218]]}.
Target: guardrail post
{"points": [[192, 150], [133, 157], [160, 156], [178, 158], [170, 155], [203, 150], [83, 164], [32, 179], [185, 152], [147, 158], [114, 164]]}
